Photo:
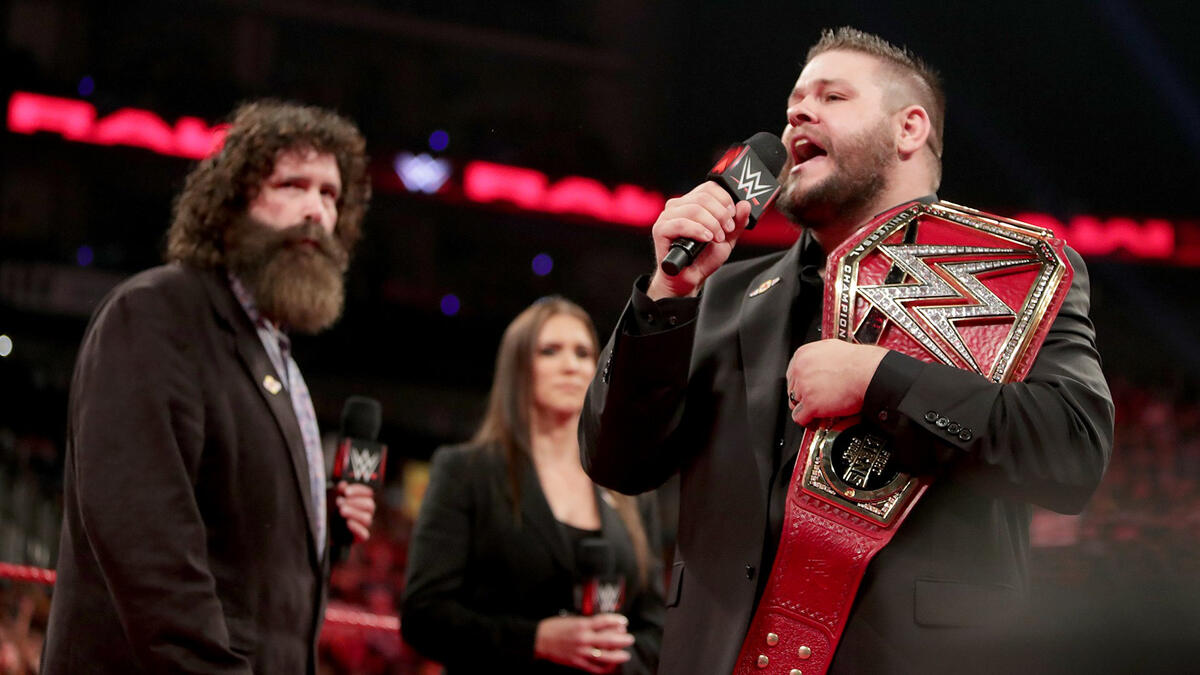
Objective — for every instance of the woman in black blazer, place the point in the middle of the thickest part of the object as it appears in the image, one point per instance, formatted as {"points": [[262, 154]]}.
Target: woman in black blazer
{"points": [[492, 567]]}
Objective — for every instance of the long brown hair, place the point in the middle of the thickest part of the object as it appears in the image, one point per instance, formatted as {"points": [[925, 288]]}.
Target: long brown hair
{"points": [[220, 188], [506, 423]]}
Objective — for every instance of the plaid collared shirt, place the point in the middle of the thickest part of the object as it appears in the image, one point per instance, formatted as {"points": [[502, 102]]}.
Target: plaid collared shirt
{"points": [[278, 348]]}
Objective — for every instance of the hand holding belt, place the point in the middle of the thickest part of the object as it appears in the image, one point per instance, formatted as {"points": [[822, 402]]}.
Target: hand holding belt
{"points": [[937, 293]]}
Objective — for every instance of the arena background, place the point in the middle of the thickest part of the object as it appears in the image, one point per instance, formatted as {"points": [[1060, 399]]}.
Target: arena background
{"points": [[515, 147]]}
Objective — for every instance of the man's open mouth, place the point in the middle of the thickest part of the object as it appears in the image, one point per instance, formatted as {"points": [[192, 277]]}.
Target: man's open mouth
{"points": [[804, 149]]}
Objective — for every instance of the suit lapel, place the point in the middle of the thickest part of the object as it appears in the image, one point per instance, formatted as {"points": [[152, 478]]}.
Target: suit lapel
{"points": [[764, 333], [269, 384], [535, 511], [611, 525]]}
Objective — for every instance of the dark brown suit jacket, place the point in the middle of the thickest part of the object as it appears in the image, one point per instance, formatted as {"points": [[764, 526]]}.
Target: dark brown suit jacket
{"points": [[187, 541]]}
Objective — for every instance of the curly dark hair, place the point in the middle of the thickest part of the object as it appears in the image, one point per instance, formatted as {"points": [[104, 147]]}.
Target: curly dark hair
{"points": [[222, 186]]}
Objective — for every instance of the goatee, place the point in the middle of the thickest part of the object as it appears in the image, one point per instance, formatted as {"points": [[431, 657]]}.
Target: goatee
{"points": [[857, 180], [296, 275]]}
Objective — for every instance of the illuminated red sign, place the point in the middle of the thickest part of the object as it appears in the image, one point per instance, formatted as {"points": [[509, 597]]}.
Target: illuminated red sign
{"points": [[190, 137], [531, 190], [1151, 238]]}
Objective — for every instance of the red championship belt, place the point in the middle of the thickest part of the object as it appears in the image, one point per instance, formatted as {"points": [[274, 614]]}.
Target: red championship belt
{"points": [[938, 282]]}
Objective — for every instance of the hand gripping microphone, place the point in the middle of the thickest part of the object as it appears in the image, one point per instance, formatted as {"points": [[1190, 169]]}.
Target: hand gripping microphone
{"points": [[749, 172], [598, 587], [360, 458]]}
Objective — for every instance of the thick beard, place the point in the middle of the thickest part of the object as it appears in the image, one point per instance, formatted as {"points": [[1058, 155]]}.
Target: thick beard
{"points": [[296, 285], [857, 180]]}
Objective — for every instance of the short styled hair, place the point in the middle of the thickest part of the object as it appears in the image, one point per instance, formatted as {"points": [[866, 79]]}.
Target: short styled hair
{"points": [[221, 187], [914, 79]]}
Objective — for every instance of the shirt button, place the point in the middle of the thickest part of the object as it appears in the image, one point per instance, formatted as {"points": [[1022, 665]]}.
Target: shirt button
{"points": [[931, 416], [942, 422], [649, 318], [883, 415], [750, 572], [672, 320]]}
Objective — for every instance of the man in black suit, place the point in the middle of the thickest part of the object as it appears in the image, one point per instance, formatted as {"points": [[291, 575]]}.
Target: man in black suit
{"points": [[698, 374], [195, 533]]}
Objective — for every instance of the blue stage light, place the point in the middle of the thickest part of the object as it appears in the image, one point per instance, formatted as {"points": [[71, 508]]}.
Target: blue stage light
{"points": [[542, 264], [439, 140]]}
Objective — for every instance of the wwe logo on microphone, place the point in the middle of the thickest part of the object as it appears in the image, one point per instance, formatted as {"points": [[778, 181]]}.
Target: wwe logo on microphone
{"points": [[751, 182], [609, 596], [599, 596], [360, 461], [747, 175], [363, 463]]}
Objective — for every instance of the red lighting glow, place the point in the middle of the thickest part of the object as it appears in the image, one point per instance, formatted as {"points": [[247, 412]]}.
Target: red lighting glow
{"points": [[1152, 238], [489, 183], [191, 137], [532, 190]]}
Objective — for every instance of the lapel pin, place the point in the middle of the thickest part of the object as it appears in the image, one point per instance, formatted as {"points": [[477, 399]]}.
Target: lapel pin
{"points": [[764, 287], [271, 384]]}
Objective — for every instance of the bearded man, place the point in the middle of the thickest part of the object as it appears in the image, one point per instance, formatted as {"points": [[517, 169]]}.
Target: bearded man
{"points": [[716, 372], [196, 527]]}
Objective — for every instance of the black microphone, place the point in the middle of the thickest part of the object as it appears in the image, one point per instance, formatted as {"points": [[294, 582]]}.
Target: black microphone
{"points": [[359, 459], [598, 587], [749, 172]]}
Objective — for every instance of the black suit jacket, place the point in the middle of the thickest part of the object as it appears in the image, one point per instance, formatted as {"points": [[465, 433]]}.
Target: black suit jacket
{"points": [[479, 581], [702, 398], [187, 541]]}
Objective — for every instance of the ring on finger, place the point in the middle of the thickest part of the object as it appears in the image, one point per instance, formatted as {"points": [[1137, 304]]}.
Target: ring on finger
{"points": [[596, 653], [792, 398]]}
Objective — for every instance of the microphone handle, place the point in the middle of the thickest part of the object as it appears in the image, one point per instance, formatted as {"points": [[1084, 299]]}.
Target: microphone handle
{"points": [[682, 253], [340, 536]]}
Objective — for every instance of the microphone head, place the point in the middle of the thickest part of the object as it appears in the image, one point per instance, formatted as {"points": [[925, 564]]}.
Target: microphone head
{"points": [[749, 172], [594, 557], [598, 587], [769, 149], [361, 418]]}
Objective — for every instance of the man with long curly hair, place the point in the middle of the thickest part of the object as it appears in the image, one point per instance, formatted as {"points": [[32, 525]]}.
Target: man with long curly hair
{"points": [[196, 528]]}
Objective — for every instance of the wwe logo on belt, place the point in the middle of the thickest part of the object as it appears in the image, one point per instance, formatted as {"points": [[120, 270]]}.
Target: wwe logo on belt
{"points": [[866, 458]]}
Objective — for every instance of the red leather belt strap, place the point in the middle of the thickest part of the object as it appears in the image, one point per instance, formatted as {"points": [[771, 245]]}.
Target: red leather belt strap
{"points": [[939, 282]]}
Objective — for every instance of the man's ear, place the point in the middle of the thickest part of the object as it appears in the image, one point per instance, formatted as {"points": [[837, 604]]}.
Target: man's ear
{"points": [[912, 129]]}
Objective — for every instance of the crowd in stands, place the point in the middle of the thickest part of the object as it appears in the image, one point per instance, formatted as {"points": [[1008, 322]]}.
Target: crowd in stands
{"points": [[1144, 520]]}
